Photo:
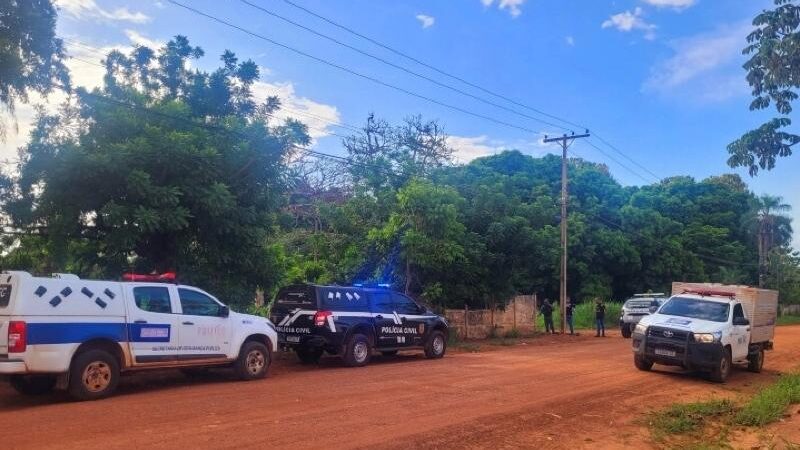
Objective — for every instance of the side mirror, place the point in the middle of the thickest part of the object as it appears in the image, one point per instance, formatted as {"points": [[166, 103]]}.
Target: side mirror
{"points": [[653, 309], [740, 321], [224, 311]]}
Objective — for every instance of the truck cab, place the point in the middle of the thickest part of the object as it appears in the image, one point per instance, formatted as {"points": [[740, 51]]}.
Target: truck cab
{"points": [[699, 330], [81, 334]]}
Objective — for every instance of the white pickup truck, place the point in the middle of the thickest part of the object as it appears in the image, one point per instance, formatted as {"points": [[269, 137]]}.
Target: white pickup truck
{"points": [[707, 329], [81, 334]]}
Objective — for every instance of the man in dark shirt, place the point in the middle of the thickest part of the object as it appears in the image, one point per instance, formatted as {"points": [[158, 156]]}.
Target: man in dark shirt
{"points": [[547, 312], [600, 316], [570, 311]]}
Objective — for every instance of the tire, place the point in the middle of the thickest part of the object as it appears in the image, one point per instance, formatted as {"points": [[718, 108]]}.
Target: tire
{"points": [[357, 351], [33, 384], [389, 353], [93, 374], [642, 363], [719, 374], [253, 361], [308, 355], [756, 362], [436, 345], [626, 330]]}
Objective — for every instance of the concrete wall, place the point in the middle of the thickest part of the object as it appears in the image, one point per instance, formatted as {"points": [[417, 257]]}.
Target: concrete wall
{"points": [[519, 314], [790, 310]]}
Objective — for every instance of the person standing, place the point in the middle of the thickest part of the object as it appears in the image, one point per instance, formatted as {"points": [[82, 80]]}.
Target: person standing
{"points": [[547, 312], [570, 310], [600, 316]]}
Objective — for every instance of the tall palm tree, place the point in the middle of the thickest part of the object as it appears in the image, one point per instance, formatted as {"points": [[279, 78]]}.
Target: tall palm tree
{"points": [[772, 222]]}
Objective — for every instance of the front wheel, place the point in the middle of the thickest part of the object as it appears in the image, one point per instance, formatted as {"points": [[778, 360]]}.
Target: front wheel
{"points": [[253, 361], [357, 351], [626, 330], [436, 345], [642, 363], [93, 375], [719, 374], [33, 384], [755, 362]]}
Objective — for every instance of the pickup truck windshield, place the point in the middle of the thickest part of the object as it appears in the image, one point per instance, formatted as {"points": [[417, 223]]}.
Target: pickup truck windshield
{"points": [[696, 309]]}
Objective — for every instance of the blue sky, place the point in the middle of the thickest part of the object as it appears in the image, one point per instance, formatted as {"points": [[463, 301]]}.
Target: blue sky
{"points": [[659, 79]]}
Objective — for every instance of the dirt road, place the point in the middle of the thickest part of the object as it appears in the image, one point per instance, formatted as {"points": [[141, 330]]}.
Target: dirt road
{"points": [[552, 392]]}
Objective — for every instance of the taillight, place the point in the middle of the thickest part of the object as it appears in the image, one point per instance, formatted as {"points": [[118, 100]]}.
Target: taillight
{"points": [[17, 337], [321, 318]]}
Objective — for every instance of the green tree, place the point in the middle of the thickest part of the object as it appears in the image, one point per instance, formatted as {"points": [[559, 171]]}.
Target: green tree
{"points": [[774, 229], [31, 57], [771, 72], [152, 174]]}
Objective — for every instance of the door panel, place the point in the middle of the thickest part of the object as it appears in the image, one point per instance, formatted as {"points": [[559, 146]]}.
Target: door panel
{"points": [[204, 334], [412, 322], [384, 319], [153, 330], [740, 343]]}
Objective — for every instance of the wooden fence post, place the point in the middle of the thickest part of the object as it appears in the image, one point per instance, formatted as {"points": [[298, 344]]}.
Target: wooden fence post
{"points": [[466, 321]]}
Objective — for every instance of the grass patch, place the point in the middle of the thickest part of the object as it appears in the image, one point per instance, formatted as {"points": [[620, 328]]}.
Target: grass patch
{"points": [[709, 424], [789, 320], [771, 402], [689, 417]]}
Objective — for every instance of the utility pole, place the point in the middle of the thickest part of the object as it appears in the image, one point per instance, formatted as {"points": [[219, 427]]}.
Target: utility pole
{"points": [[565, 142]]}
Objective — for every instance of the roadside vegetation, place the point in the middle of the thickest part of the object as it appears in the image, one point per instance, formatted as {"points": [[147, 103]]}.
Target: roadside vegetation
{"points": [[788, 320], [584, 316], [710, 424]]}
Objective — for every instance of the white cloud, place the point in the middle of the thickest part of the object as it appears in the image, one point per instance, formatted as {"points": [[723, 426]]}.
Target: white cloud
{"points": [[514, 7], [138, 39], [467, 148], [90, 10], [677, 4], [628, 21], [426, 21], [570, 40], [711, 60], [318, 116]]}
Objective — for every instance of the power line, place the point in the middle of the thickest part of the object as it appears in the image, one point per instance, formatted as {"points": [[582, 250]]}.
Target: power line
{"points": [[353, 72], [431, 67], [464, 81], [402, 68]]}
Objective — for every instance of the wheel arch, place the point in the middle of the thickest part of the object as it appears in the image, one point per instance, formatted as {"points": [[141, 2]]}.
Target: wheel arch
{"points": [[108, 345]]}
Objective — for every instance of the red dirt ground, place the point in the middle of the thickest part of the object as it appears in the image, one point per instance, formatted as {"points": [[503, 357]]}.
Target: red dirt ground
{"points": [[550, 392]]}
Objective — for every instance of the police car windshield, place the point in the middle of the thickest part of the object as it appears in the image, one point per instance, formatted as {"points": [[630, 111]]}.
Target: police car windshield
{"points": [[694, 308]]}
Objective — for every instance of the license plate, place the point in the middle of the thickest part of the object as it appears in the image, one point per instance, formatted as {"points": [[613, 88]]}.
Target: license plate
{"points": [[665, 352], [292, 338]]}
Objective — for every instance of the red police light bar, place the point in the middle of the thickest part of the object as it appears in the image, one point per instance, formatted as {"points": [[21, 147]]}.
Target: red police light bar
{"points": [[709, 293], [166, 277]]}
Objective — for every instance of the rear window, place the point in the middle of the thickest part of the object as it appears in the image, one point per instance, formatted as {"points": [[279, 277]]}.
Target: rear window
{"points": [[293, 297], [5, 295], [337, 298]]}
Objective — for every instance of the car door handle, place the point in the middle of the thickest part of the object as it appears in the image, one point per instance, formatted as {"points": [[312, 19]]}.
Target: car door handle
{"points": [[188, 323], [139, 321], [379, 316]]}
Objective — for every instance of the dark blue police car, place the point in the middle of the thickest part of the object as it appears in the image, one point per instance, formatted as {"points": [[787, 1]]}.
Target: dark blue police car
{"points": [[354, 321]]}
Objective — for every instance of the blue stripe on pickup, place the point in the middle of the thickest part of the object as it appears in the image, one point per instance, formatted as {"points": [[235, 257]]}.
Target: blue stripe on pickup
{"points": [[78, 332], [69, 333]]}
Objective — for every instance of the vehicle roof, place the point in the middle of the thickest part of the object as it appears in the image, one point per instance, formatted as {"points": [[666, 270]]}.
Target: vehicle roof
{"points": [[345, 286], [709, 298]]}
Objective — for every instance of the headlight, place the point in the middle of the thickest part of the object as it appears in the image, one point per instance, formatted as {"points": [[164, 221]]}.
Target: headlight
{"points": [[640, 328], [708, 338]]}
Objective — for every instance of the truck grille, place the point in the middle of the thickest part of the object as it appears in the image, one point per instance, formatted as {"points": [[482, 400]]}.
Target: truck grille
{"points": [[668, 334]]}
